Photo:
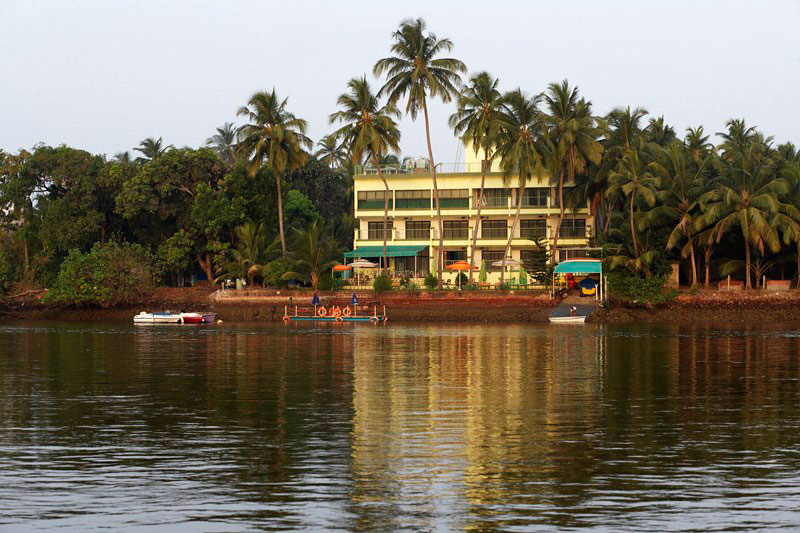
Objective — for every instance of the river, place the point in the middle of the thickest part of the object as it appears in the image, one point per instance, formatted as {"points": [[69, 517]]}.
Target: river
{"points": [[359, 427]]}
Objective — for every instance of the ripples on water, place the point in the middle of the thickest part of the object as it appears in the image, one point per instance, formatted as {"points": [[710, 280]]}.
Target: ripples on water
{"points": [[420, 427]]}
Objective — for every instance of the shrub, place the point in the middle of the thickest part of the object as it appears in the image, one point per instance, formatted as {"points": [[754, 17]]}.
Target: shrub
{"points": [[471, 287], [431, 282], [326, 281], [108, 275], [506, 286], [629, 287], [274, 271], [461, 279], [6, 273], [382, 283]]}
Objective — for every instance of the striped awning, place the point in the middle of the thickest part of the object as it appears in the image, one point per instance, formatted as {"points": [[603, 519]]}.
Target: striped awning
{"points": [[391, 251]]}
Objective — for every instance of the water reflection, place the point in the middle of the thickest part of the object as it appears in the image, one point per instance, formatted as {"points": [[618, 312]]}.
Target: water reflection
{"points": [[470, 427]]}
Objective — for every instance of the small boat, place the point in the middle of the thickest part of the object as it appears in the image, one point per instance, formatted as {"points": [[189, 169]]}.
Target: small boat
{"points": [[191, 318], [209, 317], [567, 319], [165, 317]]}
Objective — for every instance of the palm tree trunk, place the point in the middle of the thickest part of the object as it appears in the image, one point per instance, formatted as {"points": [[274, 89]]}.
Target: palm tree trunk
{"points": [[560, 212], [476, 228], [440, 251], [747, 265], [694, 264], [385, 213], [708, 268], [280, 214], [633, 227], [798, 265], [511, 235]]}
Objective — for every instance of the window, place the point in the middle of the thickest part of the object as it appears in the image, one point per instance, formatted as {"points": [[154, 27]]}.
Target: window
{"points": [[535, 197], [374, 230], [411, 265], [454, 198], [494, 229], [492, 256], [418, 229], [412, 199], [533, 229], [454, 256], [573, 228], [456, 229], [373, 199], [496, 197]]}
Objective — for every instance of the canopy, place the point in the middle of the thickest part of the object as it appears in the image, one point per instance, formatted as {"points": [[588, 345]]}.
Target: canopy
{"points": [[391, 251], [362, 264], [579, 266], [460, 265]]}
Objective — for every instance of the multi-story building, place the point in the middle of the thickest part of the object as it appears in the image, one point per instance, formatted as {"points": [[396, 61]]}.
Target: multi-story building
{"points": [[412, 231]]}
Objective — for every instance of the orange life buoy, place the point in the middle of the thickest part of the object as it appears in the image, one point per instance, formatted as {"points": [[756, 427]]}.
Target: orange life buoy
{"points": [[322, 311], [336, 311], [347, 311]]}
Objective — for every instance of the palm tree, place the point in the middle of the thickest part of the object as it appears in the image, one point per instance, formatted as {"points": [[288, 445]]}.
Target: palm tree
{"points": [[477, 122], [573, 136], [625, 129], [416, 70], [274, 137], [659, 132], [682, 186], [737, 138], [251, 253], [312, 251], [151, 148], [519, 149], [368, 130], [224, 142], [331, 151], [697, 143], [634, 181], [747, 194], [123, 158]]}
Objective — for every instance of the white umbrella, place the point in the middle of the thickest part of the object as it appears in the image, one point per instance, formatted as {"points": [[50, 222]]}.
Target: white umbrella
{"points": [[362, 263], [507, 263]]}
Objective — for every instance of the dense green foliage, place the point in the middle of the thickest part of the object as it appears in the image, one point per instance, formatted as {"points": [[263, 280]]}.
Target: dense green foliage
{"points": [[108, 274], [629, 287], [382, 283]]}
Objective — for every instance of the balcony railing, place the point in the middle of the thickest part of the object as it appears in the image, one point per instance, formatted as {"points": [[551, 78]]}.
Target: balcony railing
{"points": [[412, 234], [453, 234], [494, 233]]}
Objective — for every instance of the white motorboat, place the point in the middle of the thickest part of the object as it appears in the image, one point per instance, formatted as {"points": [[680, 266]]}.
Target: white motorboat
{"points": [[567, 319], [158, 318]]}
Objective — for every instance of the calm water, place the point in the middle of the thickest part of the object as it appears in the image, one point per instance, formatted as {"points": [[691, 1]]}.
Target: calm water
{"points": [[231, 428]]}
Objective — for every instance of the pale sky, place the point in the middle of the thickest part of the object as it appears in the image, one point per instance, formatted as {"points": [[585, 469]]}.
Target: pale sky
{"points": [[103, 75]]}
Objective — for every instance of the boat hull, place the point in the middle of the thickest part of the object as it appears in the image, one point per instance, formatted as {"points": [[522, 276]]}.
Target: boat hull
{"points": [[156, 318], [567, 319]]}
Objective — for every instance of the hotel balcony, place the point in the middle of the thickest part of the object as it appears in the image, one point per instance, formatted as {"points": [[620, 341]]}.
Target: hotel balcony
{"points": [[486, 236]]}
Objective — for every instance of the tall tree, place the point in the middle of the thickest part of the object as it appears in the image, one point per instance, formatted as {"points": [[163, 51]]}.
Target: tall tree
{"points": [[368, 130], [330, 151], [697, 142], [747, 193], [415, 69], [681, 188], [573, 135], [151, 148], [635, 182], [274, 137], [224, 142], [477, 123], [519, 150]]}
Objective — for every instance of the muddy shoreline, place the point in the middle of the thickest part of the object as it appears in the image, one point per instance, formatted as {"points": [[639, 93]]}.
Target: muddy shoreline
{"points": [[441, 307]]}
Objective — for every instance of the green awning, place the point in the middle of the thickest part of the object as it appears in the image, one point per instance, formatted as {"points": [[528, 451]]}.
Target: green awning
{"points": [[580, 266], [391, 251]]}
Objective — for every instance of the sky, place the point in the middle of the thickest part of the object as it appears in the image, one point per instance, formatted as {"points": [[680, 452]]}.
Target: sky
{"points": [[102, 75]]}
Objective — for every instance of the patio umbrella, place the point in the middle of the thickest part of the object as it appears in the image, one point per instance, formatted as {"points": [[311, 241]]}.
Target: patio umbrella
{"points": [[483, 275], [362, 263], [507, 263], [459, 266], [342, 268], [315, 299]]}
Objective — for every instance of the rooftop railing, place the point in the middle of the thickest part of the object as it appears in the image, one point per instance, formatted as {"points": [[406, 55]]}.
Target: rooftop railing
{"points": [[419, 167]]}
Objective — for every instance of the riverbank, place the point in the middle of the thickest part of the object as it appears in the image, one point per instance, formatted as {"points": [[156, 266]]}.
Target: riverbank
{"points": [[437, 306]]}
